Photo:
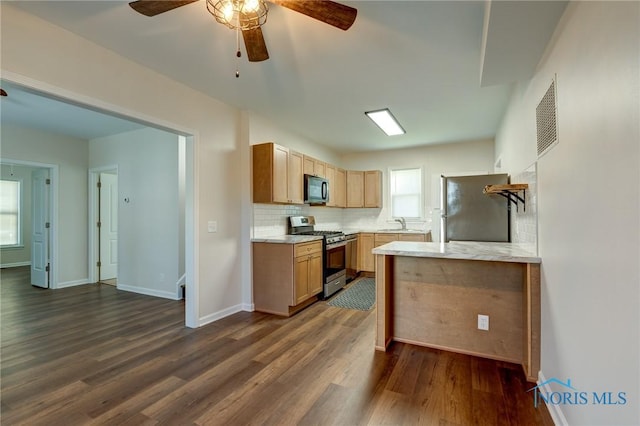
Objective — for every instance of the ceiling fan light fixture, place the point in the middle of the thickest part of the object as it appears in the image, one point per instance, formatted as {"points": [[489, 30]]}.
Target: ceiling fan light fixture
{"points": [[239, 14], [386, 122]]}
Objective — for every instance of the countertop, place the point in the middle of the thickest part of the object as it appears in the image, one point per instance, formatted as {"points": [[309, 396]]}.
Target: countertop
{"points": [[386, 231], [470, 250], [295, 239], [288, 239]]}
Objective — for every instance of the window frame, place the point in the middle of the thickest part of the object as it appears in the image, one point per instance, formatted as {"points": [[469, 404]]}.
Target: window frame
{"points": [[421, 206], [20, 241]]}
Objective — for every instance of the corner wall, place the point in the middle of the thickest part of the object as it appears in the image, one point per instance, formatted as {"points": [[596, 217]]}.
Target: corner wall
{"points": [[588, 207], [148, 224]]}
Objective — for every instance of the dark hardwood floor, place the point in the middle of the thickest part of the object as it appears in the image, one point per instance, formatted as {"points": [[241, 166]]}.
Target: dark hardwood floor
{"points": [[95, 355]]}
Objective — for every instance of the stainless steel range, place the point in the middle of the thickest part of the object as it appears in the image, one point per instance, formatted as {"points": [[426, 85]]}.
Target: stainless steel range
{"points": [[334, 252]]}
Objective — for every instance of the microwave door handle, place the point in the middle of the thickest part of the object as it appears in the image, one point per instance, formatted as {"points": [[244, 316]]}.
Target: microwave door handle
{"points": [[324, 190]]}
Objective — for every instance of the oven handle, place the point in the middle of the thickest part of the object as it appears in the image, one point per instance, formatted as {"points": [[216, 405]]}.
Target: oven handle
{"points": [[336, 245]]}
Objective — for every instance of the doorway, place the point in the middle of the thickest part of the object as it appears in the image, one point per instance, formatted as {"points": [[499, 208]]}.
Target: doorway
{"points": [[103, 210], [188, 234], [107, 227]]}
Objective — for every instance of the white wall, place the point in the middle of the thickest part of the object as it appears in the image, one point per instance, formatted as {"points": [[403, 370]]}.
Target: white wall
{"points": [[148, 224], [588, 205], [19, 256], [261, 130], [71, 156], [71, 67]]}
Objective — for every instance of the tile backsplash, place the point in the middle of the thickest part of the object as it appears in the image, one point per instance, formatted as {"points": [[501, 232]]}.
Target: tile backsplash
{"points": [[272, 219], [524, 222]]}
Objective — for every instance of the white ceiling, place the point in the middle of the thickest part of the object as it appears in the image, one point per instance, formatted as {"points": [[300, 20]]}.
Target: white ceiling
{"points": [[425, 60]]}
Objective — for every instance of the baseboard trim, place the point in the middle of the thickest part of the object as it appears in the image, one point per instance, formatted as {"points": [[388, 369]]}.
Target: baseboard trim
{"points": [[220, 314], [15, 264], [248, 307], [72, 283], [554, 409], [148, 291]]}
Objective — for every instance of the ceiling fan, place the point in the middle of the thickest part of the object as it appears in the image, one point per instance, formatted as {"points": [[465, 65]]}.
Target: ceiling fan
{"points": [[249, 15]]}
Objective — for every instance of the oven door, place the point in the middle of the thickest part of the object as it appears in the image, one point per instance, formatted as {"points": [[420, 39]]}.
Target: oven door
{"points": [[335, 261]]}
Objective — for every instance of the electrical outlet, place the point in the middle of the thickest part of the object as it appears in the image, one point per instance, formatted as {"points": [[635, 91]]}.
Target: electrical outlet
{"points": [[483, 322]]}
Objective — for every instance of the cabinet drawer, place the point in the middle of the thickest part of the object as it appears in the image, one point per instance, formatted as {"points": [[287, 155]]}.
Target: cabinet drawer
{"points": [[308, 248], [381, 239], [412, 237]]}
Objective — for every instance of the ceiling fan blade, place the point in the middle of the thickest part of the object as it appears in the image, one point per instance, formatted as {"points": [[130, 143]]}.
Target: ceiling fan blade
{"points": [[156, 7], [329, 12], [255, 45]]}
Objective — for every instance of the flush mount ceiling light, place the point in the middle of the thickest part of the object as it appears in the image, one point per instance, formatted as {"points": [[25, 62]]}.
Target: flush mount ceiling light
{"points": [[386, 121]]}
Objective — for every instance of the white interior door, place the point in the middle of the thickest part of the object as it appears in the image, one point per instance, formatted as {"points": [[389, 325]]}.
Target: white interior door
{"points": [[108, 226], [40, 228]]}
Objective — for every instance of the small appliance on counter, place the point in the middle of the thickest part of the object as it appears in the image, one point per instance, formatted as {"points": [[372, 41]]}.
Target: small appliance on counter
{"points": [[333, 253]]}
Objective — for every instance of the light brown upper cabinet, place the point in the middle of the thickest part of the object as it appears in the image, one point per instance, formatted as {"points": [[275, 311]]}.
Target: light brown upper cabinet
{"points": [[373, 188], [277, 174], [314, 167], [337, 186], [341, 188], [355, 188], [331, 178], [364, 189]]}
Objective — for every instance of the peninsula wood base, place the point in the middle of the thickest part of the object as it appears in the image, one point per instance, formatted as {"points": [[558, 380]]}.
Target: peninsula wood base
{"points": [[435, 302]]}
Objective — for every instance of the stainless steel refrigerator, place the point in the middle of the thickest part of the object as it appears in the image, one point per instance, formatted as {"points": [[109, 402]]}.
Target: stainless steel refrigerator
{"points": [[470, 215]]}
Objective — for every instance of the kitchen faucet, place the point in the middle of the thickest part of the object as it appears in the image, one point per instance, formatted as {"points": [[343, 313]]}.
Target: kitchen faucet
{"points": [[402, 222]]}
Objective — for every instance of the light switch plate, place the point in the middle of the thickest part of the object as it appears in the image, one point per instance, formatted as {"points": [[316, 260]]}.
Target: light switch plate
{"points": [[212, 226]]}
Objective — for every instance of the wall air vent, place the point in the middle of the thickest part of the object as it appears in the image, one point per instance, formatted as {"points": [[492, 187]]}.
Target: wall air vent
{"points": [[546, 123]]}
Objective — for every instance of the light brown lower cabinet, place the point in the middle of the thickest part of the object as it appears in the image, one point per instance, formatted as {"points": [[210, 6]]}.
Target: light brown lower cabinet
{"points": [[308, 271], [286, 277], [368, 241], [365, 257]]}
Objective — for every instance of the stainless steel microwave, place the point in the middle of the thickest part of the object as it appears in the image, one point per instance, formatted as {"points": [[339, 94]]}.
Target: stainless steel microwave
{"points": [[316, 190]]}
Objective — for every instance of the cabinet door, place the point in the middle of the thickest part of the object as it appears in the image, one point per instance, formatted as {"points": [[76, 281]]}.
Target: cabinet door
{"points": [[373, 188], [355, 188], [341, 188], [301, 284], [320, 169], [315, 274], [296, 179], [366, 259], [309, 165], [280, 174], [331, 178]]}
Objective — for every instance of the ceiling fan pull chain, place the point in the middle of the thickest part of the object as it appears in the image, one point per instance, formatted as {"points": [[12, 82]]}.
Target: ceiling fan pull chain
{"points": [[238, 53]]}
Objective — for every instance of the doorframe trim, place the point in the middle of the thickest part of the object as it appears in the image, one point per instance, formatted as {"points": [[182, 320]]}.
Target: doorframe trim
{"points": [[53, 214], [94, 174]]}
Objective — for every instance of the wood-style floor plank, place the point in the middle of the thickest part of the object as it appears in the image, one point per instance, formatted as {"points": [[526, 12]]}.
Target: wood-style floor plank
{"points": [[95, 355]]}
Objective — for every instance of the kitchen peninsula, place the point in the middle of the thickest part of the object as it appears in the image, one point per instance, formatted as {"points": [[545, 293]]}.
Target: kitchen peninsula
{"points": [[431, 294]]}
